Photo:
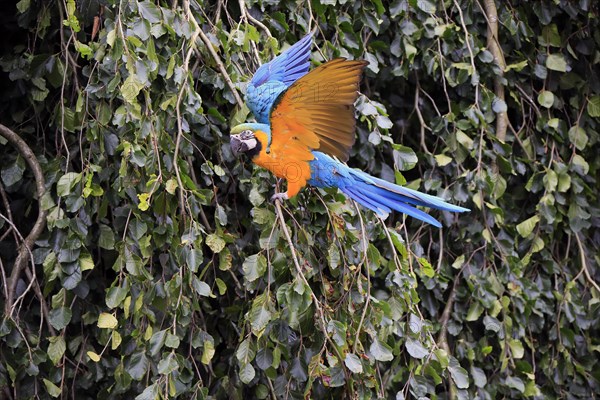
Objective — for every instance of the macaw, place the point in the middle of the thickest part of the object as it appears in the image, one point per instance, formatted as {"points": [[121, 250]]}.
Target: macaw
{"points": [[276, 76], [308, 137]]}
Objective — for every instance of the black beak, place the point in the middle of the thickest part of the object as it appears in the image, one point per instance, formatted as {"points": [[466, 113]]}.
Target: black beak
{"points": [[236, 145]]}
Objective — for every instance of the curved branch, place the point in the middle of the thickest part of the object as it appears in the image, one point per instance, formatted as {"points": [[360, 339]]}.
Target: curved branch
{"points": [[40, 185]]}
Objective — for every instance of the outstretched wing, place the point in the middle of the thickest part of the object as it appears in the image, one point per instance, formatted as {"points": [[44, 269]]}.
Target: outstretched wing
{"points": [[317, 111], [277, 75]]}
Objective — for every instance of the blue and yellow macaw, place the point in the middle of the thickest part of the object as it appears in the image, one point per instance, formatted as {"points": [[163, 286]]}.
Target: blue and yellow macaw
{"points": [[308, 135]]}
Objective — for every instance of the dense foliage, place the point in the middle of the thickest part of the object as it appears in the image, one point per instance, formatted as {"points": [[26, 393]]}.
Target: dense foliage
{"points": [[163, 271]]}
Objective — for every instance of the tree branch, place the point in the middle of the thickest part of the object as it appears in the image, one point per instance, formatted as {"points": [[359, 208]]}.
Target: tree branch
{"points": [[221, 67], [442, 339], [491, 15], [25, 248]]}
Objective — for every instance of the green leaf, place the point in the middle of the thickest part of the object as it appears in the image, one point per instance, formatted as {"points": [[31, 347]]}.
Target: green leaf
{"points": [[131, 88], [66, 183], [107, 321], [115, 296], [208, 352], [150, 11], [479, 377], [516, 348], [137, 365], [52, 389], [172, 341], [259, 315], [415, 348], [149, 393], [247, 373], [168, 365], [254, 267], [56, 349], [426, 267], [515, 383], [215, 243], [381, 351], [556, 62], [546, 98], [526, 227], [404, 157], [593, 106], [475, 311], [13, 173], [459, 375], [426, 6], [201, 287], [578, 137], [60, 317], [95, 357], [442, 160], [353, 363]]}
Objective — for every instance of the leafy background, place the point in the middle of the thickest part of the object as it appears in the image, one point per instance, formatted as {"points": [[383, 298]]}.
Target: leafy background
{"points": [[162, 271]]}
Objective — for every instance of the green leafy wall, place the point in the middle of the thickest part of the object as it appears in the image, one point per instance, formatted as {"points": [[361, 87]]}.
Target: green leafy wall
{"points": [[162, 270]]}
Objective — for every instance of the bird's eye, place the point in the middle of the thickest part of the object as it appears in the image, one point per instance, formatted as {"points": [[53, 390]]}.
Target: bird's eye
{"points": [[247, 134]]}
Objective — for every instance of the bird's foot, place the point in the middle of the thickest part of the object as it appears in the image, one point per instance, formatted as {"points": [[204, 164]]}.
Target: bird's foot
{"points": [[280, 197]]}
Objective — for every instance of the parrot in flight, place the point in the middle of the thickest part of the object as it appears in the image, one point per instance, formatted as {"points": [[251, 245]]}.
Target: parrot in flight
{"points": [[305, 134]]}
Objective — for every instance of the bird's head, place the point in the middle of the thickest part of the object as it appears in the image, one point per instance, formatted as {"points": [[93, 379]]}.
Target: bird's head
{"points": [[248, 138]]}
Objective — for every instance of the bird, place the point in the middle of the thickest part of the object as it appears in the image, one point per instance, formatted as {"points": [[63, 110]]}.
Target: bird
{"points": [[307, 140], [277, 75]]}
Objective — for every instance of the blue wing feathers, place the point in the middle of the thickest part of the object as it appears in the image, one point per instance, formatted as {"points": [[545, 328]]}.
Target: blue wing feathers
{"points": [[274, 77]]}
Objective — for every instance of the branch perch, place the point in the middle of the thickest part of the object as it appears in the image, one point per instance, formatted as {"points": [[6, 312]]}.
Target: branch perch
{"points": [[40, 185]]}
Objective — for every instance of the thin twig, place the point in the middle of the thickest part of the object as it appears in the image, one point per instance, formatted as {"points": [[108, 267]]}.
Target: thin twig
{"points": [[442, 340], [584, 265], [246, 15], [221, 67]]}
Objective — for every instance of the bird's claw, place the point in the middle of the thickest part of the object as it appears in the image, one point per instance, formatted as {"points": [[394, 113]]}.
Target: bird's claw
{"points": [[280, 197]]}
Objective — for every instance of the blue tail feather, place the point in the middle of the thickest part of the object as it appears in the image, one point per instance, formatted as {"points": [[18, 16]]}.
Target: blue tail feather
{"points": [[380, 196], [374, 193]]}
